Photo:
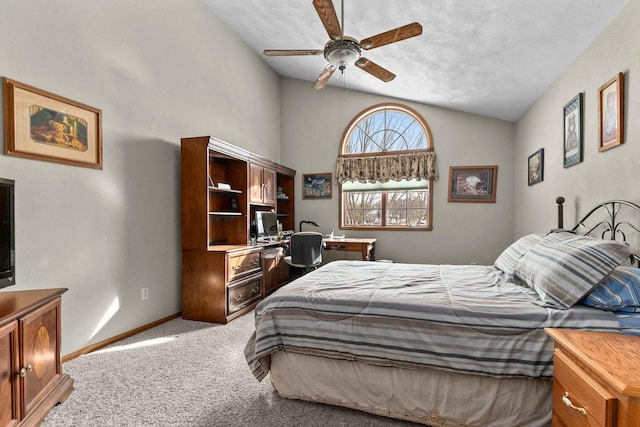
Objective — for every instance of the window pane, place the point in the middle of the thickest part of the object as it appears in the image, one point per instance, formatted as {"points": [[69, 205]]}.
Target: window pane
{"points": [[353, 217], [373, 217], [396, 217], [353, 200], [407, 208], [417, 217], [397, 199]]}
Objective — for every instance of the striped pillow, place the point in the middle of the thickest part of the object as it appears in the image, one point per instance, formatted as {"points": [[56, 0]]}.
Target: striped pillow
{"points": [[563, 267], [508, 259], [619, 291]]}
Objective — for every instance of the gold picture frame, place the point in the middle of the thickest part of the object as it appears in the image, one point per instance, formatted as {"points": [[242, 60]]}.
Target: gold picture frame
{"points": [[611, 113], [40, 125]]}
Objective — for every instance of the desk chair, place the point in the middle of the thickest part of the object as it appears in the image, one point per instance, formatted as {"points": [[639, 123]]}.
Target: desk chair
{"points": [[305, 250]]}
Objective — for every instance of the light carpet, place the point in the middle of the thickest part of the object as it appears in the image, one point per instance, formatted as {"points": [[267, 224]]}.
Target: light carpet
{"points": [[186, 373]]}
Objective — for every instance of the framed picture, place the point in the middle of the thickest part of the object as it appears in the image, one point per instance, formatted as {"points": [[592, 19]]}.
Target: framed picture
{"points": [[473, 184], [317, 186], [572, 113], [611, 112], [536, 167], [42, 126]]}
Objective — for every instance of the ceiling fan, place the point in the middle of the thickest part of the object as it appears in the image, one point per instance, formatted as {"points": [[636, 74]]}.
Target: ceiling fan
{"points": [[341, 51]]}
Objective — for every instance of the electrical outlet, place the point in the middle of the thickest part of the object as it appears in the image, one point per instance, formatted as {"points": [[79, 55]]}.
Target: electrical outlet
{"points": [[145, 293]]}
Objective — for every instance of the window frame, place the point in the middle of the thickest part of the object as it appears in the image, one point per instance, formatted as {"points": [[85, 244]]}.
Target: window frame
{"points": [[360, 117]]}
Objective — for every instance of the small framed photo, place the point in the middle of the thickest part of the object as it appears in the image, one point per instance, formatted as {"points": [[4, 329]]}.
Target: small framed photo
{"points": [[611, 112], [535, 167], [42, 126], [572, 113], [473, 184], [317, 186]]}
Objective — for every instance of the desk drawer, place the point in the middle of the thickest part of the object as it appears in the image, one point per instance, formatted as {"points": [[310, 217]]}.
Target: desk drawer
{"points": [[242, 294], [582, 391], [243, 264], [337, 246]]}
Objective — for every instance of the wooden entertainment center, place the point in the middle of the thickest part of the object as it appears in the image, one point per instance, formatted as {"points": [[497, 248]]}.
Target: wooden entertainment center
{"points": [[31, 378], [223, 274]]}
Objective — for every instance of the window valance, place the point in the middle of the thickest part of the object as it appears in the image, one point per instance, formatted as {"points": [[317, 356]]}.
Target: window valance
{"points": [[396, 167]]}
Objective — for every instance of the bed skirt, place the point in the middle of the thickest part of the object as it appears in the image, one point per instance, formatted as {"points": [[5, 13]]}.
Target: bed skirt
{"points": [[437, 399]]}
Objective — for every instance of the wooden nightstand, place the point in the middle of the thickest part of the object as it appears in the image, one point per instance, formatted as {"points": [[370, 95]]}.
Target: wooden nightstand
{"points": [[596, 379]]}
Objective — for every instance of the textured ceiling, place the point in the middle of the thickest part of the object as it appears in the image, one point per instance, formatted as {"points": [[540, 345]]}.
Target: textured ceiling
{"points": [[488, 57]]}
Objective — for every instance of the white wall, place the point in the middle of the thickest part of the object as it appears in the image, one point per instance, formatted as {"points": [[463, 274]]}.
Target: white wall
{"points": [[462, 233], [159, 70], [612, 174]]}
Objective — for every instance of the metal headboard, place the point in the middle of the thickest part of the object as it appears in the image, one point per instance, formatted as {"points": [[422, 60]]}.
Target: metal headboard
{"points": [[614, 220]]}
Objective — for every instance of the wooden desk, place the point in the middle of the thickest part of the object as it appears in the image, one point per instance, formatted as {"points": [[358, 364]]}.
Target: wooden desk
{"points": [[367, 247]]}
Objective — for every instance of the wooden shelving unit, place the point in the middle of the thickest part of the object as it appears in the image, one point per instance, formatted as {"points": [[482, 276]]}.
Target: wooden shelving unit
{"points": [[223, 276]]}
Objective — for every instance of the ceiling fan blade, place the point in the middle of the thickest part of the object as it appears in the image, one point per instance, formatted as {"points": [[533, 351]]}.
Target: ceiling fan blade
{"points": [[375, 70], [291, 52], [392, 36], [327, 14], [324, 76]]}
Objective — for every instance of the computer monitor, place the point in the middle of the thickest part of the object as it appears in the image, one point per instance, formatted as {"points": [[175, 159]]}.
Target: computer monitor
{"points": [[267, 223]]}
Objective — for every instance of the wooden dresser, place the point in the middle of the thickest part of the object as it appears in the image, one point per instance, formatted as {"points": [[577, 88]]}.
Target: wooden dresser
{"points": [[596, 379], [31, 378]]}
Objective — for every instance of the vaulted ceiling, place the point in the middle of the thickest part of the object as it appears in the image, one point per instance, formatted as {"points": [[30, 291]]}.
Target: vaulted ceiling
{"points": [[488, 57]]}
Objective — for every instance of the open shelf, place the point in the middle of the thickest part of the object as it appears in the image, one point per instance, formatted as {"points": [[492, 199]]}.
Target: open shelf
{"points": [[225, 213], [220, 190]]}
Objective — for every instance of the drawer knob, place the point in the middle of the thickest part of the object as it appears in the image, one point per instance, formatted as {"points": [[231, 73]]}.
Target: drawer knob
{"points": [[235, 268], [570, 404], [23, 372]]}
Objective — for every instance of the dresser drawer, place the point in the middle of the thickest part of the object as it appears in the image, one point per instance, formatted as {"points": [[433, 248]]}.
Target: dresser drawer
{"points": [[573, 386], [243, 293], [243, 264]]}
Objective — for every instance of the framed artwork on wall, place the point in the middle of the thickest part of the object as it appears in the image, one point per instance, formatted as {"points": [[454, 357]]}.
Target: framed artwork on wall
{"points": [[611, 113], [42, 126], [535, 167], [572, 114], [473, 184], [317, 186]]}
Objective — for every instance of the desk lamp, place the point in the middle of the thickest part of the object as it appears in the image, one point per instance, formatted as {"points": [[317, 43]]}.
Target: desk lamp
{"points": [[307, 222]]}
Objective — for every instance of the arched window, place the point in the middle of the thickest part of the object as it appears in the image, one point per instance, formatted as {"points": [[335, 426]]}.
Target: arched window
{"points": [[385, 170]]}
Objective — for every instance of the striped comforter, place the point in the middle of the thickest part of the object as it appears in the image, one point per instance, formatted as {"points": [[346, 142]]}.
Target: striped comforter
{"points": [[455, 318]]}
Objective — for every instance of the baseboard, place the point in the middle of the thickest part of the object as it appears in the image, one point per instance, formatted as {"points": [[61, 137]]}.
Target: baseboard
{"points": [[101, 344]]}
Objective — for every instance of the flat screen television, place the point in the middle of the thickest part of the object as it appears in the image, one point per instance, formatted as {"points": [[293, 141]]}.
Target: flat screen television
{"points": [[7, 234]]}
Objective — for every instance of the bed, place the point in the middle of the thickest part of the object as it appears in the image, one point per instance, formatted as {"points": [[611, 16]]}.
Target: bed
{"points": [[448, 345]]}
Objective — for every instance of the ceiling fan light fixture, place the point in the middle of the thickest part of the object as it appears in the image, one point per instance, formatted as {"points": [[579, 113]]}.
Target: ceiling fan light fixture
{"points": [[342, 53]]}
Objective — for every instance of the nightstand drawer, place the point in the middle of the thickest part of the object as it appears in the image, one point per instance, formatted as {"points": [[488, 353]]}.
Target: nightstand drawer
{"points": [[243, 264], [593, 405]]}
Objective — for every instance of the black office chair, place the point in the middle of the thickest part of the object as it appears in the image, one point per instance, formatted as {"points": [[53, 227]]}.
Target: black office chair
{"points": [[305, 250]]}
